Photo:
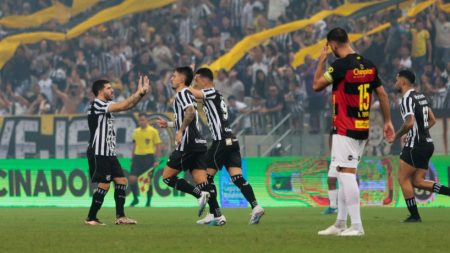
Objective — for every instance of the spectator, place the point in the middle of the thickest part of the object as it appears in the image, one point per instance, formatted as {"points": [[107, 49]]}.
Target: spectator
{"points": [[421, 46], [235, 109], [442, 39]]}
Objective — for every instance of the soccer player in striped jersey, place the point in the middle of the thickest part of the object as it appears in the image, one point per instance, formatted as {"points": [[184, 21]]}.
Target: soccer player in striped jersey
{"points": [[418, 119], [191, 147], [354, 79], [224, 151], [101, 153]]}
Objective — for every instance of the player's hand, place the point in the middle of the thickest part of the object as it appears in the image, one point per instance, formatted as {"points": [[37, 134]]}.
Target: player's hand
{"points": [[389, 133], [178, 137], [146, 85], [324, 53], [161, 123]]}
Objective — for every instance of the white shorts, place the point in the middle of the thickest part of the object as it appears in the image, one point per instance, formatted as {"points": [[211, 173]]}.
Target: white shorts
{"points": [[345, 152]]}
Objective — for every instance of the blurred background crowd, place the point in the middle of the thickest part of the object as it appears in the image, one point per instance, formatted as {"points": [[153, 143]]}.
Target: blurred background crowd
{"points": [[55, 77]]}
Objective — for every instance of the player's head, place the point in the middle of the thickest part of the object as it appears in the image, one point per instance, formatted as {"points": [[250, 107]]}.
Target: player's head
{"points": [[102, 89], [204, 76], [143, 121], [337, 38], [405, 80], [182, 76]]}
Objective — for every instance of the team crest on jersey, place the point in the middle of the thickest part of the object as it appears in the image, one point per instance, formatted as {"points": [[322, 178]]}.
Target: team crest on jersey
{"points": [[108, 177]]}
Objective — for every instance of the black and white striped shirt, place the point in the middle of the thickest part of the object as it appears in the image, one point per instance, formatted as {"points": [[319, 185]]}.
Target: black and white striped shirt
{"points": [[216, 112], [101, 128], [416, 104], [192, 139]]}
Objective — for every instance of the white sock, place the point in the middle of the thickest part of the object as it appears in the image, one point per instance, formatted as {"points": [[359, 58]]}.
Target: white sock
{"points": [[351, 191], [341, 221], [333, 197]]}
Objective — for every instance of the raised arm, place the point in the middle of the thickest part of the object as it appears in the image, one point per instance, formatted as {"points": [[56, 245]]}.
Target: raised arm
{"points": [[320, 82], [132, 100]]}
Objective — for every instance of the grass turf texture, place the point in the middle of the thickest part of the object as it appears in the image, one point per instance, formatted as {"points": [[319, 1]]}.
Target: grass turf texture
{"points": [[174, 230]]}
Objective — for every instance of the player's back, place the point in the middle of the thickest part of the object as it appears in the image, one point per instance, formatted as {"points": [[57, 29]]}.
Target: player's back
{"points": [[216, 112], [354, 78], [416, 104]]}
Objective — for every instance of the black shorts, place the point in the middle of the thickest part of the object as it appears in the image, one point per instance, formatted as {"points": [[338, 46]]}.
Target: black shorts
{"points": [[141, 163], [220, 154], [182, 160], [419, 156], [103, 169]]}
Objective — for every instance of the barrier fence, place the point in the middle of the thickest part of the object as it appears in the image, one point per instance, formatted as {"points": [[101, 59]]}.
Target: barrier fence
{"points": [[277, 182]]}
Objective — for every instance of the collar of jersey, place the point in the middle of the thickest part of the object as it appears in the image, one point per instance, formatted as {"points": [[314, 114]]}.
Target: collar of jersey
{"points": [[408, 92]]}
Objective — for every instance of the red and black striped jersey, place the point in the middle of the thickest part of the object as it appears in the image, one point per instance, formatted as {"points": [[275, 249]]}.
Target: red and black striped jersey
{"points": [[354, 78]]}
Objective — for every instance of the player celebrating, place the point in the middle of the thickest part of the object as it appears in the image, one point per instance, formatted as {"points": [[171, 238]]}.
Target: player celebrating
{"points": [[418, 119], [224, 150], [191, 147], [103, 164], [354, 78], [146, 143]]}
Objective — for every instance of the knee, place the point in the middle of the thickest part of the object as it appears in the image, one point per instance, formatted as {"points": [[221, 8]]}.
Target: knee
{"points": [[171, 181], [121, 180], [418, 182], [133, 179], [103, 186]]}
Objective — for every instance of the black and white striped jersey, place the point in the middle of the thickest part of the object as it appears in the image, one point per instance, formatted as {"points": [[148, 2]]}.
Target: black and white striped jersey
{"points": [[101, 128], [416, 104], [216, 112], [192, 139]]}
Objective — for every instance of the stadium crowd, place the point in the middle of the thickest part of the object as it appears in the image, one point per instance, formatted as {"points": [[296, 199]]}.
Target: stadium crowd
{"points": [[55, 77]]}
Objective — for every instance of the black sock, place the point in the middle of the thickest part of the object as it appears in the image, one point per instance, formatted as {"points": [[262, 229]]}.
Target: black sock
{"points": [[119, 197], [212, 202], [97, 201], [246, 189], [412, 207], [214, 188], [182, 185], [135, 190], [149, 194], [441, 189]]}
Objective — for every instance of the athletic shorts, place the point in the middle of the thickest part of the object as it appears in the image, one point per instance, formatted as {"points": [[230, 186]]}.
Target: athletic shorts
{"points": [[141, 163], [103, 169], [224, 153], [182, 160], [419, 156], [346, 152]]}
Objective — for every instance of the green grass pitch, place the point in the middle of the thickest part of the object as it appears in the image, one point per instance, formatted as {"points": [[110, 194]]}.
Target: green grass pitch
{"points": [[174, 230]]}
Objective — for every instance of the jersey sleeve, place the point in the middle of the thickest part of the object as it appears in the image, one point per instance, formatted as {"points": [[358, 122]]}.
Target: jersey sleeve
{"points": [[185, 98], [209, 93], [101, 107], [407, 107], [335, 72]]}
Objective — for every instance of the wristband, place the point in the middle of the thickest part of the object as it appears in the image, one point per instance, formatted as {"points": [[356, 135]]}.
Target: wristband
{"points": [[170, 124]]}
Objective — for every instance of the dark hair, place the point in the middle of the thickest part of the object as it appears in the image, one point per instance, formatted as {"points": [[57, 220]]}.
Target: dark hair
{"points": [[408, 74], [231, 97], [206, 73], [141, 114], [98, 86], [338, 35], [187, 72]]}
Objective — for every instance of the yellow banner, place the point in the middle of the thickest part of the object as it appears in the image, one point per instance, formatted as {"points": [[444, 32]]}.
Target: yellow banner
{"points": [[228, 60], [9, 45], [57, 11], [315, 49]]}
